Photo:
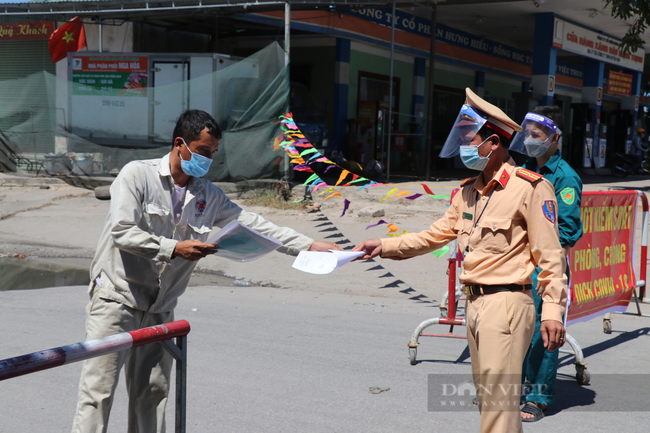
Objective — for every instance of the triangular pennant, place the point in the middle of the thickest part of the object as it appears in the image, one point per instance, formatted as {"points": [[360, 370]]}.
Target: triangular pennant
{"points": [[344, 174], [346, 205], [327, 190], [426, 188], [334, 194], [401, 194], [375, 225], [311, 179], [394, 235], [388, 194], [392, 228]]}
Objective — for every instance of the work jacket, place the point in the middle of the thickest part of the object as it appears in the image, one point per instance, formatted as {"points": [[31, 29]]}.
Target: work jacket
{"points": [[134, 254]]}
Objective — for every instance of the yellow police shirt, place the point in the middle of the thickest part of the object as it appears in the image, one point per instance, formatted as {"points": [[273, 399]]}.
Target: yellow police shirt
{"points": [[505, 228]]}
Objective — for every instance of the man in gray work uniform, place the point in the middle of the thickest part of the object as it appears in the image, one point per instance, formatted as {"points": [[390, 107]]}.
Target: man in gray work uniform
{"points": [[160, 216]]}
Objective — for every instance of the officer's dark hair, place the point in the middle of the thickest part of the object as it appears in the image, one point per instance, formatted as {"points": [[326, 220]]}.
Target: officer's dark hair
{"points": [[486, 132], [192, 122], [553, 112]]}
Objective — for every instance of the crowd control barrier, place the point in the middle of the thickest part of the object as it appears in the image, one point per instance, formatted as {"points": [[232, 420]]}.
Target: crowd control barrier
{"points": [[38, 361], [597, 292]]}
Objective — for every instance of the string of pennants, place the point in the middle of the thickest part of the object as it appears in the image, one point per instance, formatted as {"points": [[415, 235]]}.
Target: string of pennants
{"points": [[326, 173]]}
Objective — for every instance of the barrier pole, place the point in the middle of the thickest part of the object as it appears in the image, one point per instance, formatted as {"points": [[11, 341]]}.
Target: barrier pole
{"points": [[46, 359]]}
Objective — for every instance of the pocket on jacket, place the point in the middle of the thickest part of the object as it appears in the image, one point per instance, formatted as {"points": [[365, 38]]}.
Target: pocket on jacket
{"points": [[157, 217], [496, 234], [201, 230]]}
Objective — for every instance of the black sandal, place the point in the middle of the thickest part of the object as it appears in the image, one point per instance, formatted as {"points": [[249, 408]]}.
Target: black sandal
{"points": [[532, 409]]}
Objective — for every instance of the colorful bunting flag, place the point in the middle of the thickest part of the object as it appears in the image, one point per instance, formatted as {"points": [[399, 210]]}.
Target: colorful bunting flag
{"points": [[441, 252], [426, 188], [375, 225], [346, 205], [401, 194], [394, 235], [392, 228], [388, 194], [334, 194]]}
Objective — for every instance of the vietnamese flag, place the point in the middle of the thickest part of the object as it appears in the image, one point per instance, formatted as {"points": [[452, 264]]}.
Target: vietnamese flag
{"points": [[68, 38]]}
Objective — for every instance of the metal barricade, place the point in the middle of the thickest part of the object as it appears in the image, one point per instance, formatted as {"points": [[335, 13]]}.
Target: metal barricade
{"points": [[46, 359], [454, 295]]}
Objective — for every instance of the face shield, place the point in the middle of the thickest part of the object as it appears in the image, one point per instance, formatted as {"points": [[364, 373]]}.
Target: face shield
{"points": [[536, 135], [467, 124]]}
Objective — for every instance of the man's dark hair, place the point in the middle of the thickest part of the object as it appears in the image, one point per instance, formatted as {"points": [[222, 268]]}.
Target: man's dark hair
{"points": [[192, 122], [486, 132], [553, 112]]}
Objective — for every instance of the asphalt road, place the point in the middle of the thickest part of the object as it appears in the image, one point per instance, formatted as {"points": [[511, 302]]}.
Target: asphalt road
{"points": [[303, 355]]}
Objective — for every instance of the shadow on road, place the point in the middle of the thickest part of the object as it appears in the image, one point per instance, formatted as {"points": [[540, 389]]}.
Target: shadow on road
{"points": [[623, 337]]}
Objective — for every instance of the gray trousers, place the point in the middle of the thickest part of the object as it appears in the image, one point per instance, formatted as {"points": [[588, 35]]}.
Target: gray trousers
{"points": [[148, 370]]}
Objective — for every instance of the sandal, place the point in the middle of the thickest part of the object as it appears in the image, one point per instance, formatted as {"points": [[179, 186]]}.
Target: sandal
{"points": [[532, 409]]}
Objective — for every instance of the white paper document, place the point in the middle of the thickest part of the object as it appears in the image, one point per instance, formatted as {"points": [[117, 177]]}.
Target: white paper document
{"points": [[316, 262], [242, 244]]}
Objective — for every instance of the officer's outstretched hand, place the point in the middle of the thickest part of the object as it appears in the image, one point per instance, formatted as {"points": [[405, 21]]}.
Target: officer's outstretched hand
{"points": [[194, 250], [324, 246], [372, 248], [553, 334]]}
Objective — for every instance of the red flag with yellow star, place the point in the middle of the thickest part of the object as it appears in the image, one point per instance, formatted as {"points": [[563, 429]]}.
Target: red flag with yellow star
{"points": [[68, 38]]}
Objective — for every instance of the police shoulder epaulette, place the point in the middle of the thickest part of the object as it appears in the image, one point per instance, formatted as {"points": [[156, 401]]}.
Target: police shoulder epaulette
{"points": [[530, 176], [468, 180]]}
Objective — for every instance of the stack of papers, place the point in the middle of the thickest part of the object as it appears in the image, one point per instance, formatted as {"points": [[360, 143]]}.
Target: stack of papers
{"points": [[316, 262], [242, 244]]}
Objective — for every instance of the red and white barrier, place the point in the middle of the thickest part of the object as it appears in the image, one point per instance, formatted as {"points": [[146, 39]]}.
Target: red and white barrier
{"points": [[25, 364]]}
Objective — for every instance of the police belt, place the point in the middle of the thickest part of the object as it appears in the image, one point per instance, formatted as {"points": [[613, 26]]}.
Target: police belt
{"points": [[481, 289]]}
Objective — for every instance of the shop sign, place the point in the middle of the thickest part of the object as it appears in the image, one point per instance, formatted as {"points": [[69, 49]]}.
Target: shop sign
{"points": [[619, 84], [564, 68], [579, 40], [403, 21], [420, 26], [110, 76], [35, 30]]}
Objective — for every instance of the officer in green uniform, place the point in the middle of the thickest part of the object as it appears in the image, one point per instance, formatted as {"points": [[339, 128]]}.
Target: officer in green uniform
{"points": [[540, 139]]}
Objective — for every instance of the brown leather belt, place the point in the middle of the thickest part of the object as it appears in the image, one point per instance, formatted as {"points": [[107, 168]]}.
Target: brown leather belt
{"points": [[478, 290]]}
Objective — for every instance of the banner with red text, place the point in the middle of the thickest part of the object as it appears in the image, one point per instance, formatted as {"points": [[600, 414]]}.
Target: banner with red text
{"points": [[602, 272], [620, 84]]}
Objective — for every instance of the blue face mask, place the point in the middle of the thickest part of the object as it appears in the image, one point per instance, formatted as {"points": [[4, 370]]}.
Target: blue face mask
{"points": [[197, 166], [470, 157]]}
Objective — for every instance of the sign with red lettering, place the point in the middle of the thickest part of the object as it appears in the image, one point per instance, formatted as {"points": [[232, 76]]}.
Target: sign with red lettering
{"points": [[35, 30], [619, 84], [588, 43], [110, 75], [601, 263]]}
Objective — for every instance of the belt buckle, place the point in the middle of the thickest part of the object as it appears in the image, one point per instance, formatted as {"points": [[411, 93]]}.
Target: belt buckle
{"points": [[468, 290]]}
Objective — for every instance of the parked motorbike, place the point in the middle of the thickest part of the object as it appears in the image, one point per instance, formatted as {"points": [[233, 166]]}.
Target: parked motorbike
{"points": [[622, 165]]}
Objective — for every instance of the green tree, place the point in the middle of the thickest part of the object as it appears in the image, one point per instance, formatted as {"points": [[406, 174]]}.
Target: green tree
{"points": [[626, 9]]}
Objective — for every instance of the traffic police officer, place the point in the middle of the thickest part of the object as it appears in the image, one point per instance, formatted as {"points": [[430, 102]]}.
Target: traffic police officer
{"points": [[540, 139], [505, 220]]}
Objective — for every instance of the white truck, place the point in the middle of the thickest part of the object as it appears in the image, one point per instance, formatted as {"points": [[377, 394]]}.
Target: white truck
{"points": [[134, 99]]}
